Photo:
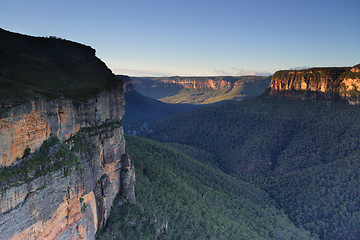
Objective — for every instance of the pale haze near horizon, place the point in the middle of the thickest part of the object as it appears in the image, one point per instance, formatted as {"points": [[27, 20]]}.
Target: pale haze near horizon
{"points": [[198, 38]]}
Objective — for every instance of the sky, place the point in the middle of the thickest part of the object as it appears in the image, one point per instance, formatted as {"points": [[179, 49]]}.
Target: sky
{"points": [[198, 37]]}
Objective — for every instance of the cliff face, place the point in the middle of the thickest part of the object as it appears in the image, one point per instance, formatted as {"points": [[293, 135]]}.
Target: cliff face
{"points": [[73, 198], [328, 83], [28, 125], [61, 153], [196, 83], [350, 85]]}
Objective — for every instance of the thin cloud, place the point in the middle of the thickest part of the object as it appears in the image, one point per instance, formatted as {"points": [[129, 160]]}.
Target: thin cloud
{"points": [[140, 72], [299, 68], [222, 73], [219, 72], [242, 72]]}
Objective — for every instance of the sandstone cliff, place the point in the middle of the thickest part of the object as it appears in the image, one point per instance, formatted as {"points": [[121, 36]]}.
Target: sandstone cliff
{"points": [[62, 146], [215, 83], [28, 125], [328, 83]]}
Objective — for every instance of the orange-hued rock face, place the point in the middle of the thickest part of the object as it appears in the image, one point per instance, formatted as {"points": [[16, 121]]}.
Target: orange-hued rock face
{"points": [[350, 85], [66, 216], [204, 83], [309, 79], [75, 200], [69, 203], [326, 82], [28, 125], [18, 132], [356, 69]]}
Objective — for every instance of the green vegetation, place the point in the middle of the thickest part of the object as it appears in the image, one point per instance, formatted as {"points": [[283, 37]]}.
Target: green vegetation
{"points": [[81, 141], [51, 156], [107, 126], [15, 93], [323, 199], [128, 221], [267, 135], [304, 154], [27, 152], [83, 207], [196, 153], [196, 200], [30, 66], [353, 75], [201, 96]]}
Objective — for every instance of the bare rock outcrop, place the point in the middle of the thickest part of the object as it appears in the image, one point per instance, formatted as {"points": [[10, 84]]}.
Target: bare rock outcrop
{"points": [[312, 83]]}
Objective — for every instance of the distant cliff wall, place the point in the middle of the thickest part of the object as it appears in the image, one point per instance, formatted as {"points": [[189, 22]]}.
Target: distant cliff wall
{"points": [[328, 83], [166, 89], [215, 83]]}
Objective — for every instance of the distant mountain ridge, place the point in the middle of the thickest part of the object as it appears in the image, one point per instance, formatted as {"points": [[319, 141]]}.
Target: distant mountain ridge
{"points": [[328, 83], [200, 90]]}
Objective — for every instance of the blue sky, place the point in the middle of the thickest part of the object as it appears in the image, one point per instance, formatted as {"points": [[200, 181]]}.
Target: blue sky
{"points": [[198, 37]]}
